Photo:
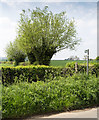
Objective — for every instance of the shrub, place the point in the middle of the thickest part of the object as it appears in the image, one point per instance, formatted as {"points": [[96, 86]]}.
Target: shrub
{"points": [[61, 94], [94, 69]]}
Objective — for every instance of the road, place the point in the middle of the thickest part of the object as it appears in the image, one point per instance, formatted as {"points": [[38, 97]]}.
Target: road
{"points": [[86, 113]]}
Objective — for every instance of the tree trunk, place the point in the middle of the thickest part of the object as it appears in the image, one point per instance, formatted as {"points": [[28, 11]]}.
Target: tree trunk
{"points": [[44, 57], [31, 57], [44, 53]]}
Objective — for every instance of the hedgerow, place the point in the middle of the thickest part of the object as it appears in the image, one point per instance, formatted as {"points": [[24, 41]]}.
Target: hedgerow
{"points": [[61, 94], [42, 73], [32, 73]]}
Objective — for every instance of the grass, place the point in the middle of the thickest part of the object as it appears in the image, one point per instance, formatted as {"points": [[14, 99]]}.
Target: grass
{"points": [[5, 65], [62, 63], [61, 94]]}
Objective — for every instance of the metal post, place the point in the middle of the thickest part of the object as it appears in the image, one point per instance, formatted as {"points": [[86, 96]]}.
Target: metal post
{"points": [[87, 61], [87, 51]]}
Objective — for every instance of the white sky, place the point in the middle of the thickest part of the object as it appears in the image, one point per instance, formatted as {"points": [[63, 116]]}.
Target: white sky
{"points": [[84, 12]]}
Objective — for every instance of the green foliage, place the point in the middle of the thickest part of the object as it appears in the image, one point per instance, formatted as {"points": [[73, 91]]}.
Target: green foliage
{"points": [[71, 65], [95, 69], [40, 72], [97, 58], [63, 63], [44, 33], [35, 63], [61, 94], [14, 53], [31, 57], [80, 68], [30, 73]]}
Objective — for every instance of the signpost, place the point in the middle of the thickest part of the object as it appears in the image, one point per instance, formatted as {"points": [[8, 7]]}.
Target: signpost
{"points": [[87, 51]]}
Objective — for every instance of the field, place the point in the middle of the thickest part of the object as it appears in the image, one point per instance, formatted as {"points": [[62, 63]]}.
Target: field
{"points": [[63, 62], [4, 64]]}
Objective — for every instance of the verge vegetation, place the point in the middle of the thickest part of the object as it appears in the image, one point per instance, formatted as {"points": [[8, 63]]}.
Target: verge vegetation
{"points": [[61, 94]]}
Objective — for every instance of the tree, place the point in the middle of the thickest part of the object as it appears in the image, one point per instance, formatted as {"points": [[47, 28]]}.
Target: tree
{"points": [[76, 58], [43, 33], [14, 53], [71, 58], [31, 57]]}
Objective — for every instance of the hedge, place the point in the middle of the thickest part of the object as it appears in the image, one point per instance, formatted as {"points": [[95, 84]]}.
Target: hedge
{"points": [[41, 73], [32, 73]]}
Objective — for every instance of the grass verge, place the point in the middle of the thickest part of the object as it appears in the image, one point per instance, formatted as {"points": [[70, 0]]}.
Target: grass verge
{"points": [[62, 94]]}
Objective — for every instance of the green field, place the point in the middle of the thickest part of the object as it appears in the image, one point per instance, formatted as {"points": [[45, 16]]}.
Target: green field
{"points": [[5, 65], [62, 63]]}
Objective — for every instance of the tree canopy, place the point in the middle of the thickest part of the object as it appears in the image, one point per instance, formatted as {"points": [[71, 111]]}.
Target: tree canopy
{"points": [[43, 33], [14, 53]]}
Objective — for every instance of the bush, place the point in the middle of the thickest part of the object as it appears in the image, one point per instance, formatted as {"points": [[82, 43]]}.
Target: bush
{"points": [[61, 94]]}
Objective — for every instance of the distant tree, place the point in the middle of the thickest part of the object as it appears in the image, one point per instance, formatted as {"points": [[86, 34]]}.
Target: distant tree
{"points": [[76, 58], [97, 58], [71, 58], [14, 53], [42, 34]]}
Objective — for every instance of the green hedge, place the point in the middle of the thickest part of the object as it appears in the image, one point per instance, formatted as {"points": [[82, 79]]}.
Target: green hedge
{"points": [[32, 73], [94, 69], [41, 73], [61, 94]]}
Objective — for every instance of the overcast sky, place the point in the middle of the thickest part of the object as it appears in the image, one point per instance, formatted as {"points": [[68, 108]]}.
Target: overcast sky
{"points": [[84, 13]]}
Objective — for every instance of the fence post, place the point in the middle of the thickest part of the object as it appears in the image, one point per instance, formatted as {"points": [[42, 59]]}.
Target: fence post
{"points": [[76, 67]]}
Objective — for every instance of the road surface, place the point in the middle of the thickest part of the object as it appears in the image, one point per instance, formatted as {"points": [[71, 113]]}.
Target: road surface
{"points": [[86, 113]]}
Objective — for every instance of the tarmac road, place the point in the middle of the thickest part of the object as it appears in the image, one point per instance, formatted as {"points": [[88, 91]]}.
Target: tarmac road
{"points": [[86, 113]]}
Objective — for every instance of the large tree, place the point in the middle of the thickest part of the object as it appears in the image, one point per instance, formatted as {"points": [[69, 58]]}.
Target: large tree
{"points": [[43, 33], [14, 53]]}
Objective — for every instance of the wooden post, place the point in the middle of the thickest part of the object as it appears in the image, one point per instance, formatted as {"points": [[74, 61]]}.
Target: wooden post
{"points": [[76, 67]]}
